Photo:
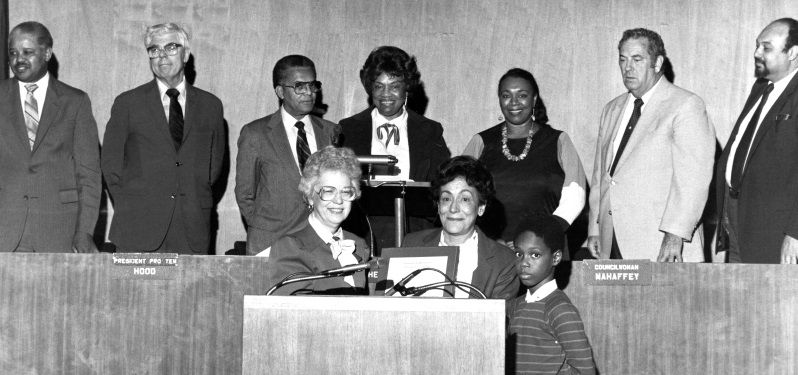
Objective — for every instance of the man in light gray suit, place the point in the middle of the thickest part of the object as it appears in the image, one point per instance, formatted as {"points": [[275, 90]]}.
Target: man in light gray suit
{"points": [[272, 152], [49, 153], [653, 163]]}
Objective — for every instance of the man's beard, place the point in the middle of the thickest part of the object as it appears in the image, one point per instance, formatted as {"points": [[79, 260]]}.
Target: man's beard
{"points": [[761, 72]]}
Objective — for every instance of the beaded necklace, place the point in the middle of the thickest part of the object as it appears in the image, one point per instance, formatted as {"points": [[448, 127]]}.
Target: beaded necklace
{"points": [[506, 151]]}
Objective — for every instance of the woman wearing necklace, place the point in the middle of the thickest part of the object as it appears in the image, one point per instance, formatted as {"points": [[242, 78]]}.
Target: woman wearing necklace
{"points": [[536, 168]]}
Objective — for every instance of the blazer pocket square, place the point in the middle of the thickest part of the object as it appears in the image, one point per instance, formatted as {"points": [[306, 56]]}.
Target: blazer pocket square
{"points": [[783, 116]]}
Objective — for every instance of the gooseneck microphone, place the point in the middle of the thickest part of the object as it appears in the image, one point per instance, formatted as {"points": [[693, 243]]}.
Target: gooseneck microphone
{"points": [[377, 159], [373, 264]]}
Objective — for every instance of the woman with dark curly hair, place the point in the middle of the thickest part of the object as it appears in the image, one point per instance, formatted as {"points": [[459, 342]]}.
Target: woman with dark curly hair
{"points": [[535, 167], [330, 183], [390, 76], [462, 190]]}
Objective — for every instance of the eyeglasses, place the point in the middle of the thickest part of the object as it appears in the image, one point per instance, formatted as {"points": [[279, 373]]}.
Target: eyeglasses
{"points": [[305, 87], [328, 193], [168, 50]]}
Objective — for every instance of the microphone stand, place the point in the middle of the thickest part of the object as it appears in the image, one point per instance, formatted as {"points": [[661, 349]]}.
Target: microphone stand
{"points": [[417, 291], [372, 160]]}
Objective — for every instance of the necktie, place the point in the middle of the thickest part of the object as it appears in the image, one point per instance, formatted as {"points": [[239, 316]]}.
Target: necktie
{"points": [[31, 113], [391, 131], [175, 118], [302, 148], [627, 133], [741, 155]]}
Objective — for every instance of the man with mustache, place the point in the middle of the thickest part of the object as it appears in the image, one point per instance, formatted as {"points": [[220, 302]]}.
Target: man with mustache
{"points": [[653, 163], [49, 154], [757, 182], [162, 151], [272, 152]]}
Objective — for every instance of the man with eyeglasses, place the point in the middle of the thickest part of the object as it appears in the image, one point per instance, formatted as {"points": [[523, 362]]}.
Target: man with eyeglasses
{"points": [[272, 152], [162, 151], [50, 170]]}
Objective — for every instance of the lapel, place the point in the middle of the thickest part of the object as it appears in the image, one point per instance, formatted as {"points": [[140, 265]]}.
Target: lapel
{"points": [[418, 133], [483, 270], [646, 121], [322, 138], [152, 101], [276, 135], [616, 115], [358, 132], [50, 110], [191, 107], [756, 91], [770, 118], [17, 118]]}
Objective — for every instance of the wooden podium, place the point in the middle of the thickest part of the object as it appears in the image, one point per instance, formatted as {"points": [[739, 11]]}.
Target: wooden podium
{"points": [[372, 335]]}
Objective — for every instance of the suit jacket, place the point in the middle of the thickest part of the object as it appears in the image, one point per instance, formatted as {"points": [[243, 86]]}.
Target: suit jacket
{"points": [[766, 207], [661, 181], [304, 251], [267, 179], [425, 139], [54, 189], [149, 180], [495, 274]]}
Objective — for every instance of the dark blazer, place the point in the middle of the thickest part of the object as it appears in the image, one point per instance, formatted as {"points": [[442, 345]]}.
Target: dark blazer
{"points": [[267, 179], [769, 190], [304, 251], [495, 274], [147, 177], [425, 139], [55, 188]]}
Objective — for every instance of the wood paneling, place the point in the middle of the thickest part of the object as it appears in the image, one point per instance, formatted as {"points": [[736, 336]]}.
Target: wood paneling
{"points": [[372, 335], [462, 46]]}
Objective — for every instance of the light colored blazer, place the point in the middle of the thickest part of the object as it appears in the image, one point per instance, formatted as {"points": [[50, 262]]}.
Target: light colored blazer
{"points": [[267, 179], [661, 181], [54, 189]]}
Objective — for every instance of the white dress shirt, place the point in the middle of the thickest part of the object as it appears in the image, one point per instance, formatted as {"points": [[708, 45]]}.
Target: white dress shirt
{"points": [[401, 151], [166, 101], [293, 133], [40, 93], [467, 261], [778, 89], [542, 292]]}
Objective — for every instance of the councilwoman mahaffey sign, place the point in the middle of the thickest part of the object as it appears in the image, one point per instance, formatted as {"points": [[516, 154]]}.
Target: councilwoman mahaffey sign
{"points": [[617, 272]]}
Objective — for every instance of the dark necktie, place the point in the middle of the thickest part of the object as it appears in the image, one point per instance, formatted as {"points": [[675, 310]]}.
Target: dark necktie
{"points": [[302, 148], [627, 133], [175, 118], [741, 155]]}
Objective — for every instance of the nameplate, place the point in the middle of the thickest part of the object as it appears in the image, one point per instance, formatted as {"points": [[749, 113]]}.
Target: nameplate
{"points": [[617, 272], [144, 266]]}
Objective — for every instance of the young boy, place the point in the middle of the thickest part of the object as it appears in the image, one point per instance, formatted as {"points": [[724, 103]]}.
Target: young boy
{"points": [[546, 334]]}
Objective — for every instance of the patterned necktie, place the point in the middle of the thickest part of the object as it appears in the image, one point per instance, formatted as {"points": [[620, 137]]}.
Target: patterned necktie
{"points": [[175, 118], [391, 131], [31, 113], [741, 155], [302, 148], [627, 133]]}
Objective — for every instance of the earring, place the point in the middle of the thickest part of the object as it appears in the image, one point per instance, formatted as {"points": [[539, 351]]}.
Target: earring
{"points": [[533, 113], [501, 118]]}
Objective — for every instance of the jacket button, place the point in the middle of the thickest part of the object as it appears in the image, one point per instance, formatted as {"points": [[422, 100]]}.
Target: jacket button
{"points": [[610, 212], [178, 163], [31, 171], [613, 182], [173, 196]]}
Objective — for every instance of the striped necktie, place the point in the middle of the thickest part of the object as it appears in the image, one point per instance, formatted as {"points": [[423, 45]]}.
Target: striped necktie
{"points": [[302, 148], [31, 113]]}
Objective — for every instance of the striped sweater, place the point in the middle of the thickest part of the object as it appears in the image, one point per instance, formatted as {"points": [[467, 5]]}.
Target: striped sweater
{"points": [[547, 337]]}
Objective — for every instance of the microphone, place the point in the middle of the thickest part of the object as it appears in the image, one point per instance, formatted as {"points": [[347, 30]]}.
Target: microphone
{"points": [[373, 264], [400, 286], [377, 159]]}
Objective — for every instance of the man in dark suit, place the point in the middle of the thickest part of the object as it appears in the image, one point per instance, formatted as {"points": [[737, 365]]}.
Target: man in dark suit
{"points": [[163, 149], [758, 171], [49, 154], [272, 152]]}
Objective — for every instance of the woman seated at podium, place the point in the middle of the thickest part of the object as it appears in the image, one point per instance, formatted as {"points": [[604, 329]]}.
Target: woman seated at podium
{"points": [[462, 190], [389, 126], [330, 182]]}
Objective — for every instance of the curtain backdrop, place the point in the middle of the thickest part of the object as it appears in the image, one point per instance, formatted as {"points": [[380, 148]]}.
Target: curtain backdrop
{"points": [[462, 47]]}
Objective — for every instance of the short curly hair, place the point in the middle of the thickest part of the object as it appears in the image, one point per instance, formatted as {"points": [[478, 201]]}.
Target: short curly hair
{"points": [[545, 227], [394, 62], [540, 109], [328, 159], [471, 170]]}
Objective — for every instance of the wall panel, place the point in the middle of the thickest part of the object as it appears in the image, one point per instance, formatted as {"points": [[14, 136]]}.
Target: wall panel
{"points": [[462, 47]]}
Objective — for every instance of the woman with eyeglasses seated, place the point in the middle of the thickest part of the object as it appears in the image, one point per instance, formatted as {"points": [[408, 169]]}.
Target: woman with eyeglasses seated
{"points": [[329, 184], [462, 190], [388, 126]]}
